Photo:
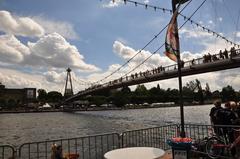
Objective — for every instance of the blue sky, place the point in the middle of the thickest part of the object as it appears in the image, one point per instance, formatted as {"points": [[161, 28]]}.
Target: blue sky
{"points": [[40, 39]]}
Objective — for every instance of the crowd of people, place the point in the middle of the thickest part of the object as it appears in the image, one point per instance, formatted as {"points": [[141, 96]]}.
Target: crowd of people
{"points": [[222, 55], [206, 58], [223, 120]]}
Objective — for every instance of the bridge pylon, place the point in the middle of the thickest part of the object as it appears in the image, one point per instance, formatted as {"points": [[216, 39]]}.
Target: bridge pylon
{"points": [[68, 91]]}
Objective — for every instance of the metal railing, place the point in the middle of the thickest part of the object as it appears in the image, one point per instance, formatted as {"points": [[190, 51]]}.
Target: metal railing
{"points": [[150, 137], [207, 58], [89, 147], [7, 152], [94, 147]]}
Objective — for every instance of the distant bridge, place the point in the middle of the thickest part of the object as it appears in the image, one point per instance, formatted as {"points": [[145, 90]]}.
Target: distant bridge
{"points": [[208, 63]]}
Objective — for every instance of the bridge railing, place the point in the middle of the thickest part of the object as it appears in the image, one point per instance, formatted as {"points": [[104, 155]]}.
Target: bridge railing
{"points": [[205, 59], [7, 152]]}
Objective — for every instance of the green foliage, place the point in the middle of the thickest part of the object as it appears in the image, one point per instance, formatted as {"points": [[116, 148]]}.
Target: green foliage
{"points": [[54, 96], [42, 95], [3, 103], [120, 98], [11, 103], [228, 94], [98, 100]]}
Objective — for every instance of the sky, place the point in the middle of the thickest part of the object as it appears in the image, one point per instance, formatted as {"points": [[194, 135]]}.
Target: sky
{"points": [[39, 40]]}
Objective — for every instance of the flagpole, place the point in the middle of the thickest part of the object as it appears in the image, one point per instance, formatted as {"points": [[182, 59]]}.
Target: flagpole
{"points": [[182, 132]]}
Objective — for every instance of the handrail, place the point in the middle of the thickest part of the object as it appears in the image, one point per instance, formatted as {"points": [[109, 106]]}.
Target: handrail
{"points": [[210, 58], [94, 146]]}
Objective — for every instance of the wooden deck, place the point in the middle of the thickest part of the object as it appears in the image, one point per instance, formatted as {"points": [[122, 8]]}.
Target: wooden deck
{"points": [[167, 155]]}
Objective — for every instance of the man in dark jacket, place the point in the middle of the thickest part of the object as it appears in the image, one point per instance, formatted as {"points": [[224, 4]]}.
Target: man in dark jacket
{"points": [[213, 116]]}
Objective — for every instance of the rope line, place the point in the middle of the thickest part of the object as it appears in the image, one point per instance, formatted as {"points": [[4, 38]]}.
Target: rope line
{"points": [[186, 19]]}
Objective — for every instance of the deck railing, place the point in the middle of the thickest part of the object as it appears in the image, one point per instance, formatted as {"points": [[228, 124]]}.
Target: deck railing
{"points": [[94, 147], [7, 152], [89, 147]]}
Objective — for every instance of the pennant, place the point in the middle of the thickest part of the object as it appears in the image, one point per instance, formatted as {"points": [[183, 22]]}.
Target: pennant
{"points": [[179, 1], [172, 39]]}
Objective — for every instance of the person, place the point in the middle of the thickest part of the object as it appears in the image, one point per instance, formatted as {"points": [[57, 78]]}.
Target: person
{"points": [[59, 154], [213, 118], [227, 117], [237, 110], [221, 55], [232, 52], [225, 53], [56, 152]]}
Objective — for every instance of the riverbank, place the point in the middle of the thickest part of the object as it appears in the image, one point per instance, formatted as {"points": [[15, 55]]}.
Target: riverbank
{"points": [[90, 109]]}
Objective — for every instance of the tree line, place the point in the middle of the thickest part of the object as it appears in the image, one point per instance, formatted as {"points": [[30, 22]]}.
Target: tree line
{"points": [[193, 92]]}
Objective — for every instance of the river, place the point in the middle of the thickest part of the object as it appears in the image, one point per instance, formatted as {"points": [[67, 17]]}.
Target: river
{"points": [[20, 128]]}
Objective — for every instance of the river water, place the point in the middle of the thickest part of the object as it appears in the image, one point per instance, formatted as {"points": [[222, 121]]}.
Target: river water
{"points": [[17, 129]]}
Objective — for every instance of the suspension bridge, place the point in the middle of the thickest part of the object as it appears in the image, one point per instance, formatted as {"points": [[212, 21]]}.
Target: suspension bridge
{"points": [[216, 62], [208, 63]]}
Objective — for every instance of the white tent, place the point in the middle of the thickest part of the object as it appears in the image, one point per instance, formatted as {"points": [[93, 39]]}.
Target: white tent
{"points": [[46, 105]]}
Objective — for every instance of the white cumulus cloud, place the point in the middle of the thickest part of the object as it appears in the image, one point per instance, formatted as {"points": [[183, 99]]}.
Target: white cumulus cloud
{"points": [[23, 26], [53, 50], [12, 50], [112, 4], [63, 28]]}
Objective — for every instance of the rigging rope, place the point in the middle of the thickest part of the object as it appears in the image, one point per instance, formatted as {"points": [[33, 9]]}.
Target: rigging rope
{"points": [[145, 45], [187, 19], [163, 43]]}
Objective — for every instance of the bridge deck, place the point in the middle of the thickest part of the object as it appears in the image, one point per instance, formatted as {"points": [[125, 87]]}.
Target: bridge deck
{"points": [[168, 72]]}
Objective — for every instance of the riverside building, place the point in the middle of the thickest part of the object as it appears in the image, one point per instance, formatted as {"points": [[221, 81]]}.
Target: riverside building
{"points": [[12, 97]]}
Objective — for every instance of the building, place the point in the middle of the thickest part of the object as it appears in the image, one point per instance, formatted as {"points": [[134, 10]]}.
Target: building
{"points": [[16, 97]]}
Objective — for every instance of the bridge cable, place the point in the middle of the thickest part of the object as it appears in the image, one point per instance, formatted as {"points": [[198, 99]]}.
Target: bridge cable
{"points": [[140, 49], [214, 33], [163, 43], [187, 19]]}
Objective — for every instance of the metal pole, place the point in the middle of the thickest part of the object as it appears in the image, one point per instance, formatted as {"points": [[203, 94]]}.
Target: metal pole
{"points": [[182, 132]]}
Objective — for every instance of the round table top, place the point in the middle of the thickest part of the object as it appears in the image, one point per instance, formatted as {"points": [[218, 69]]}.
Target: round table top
{"points": [[135, 153]]}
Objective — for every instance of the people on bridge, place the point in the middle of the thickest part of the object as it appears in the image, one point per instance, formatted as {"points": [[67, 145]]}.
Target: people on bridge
{"points": [[221, 54], [225, 53], [182, 63], [207, 58], [193, 62], [232, 52], [214, 58]]}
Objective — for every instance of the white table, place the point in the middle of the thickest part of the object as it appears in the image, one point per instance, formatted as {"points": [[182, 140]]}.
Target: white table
{"points": [[135, 153]]}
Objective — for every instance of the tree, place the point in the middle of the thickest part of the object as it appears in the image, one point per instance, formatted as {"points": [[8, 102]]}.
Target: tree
{"points": [[188, 94], [141, 90], [207, 93], [98, 100], [11, 104], [42, 95], [126, 90], [196, 88], [119, 98], [228, 94], [216, 95], [54, 96], [3, 103]]}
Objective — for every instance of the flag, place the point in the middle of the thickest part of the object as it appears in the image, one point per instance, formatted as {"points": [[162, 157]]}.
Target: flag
{"points": [[172, 40], [179, 1]]}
